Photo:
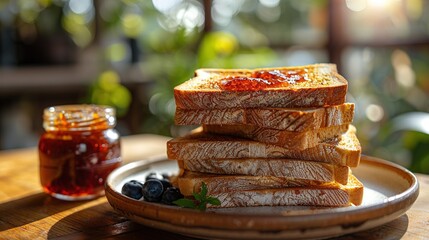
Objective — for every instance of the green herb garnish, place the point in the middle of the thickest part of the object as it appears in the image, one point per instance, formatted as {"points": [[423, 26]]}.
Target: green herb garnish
{"points": [[200, 200]]}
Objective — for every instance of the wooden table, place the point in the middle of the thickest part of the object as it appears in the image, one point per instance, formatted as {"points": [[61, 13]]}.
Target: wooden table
{"points": [[27, 213]]}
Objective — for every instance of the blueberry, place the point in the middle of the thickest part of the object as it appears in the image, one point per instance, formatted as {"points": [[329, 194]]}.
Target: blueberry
{"points": [[152, 190], [133, 189], [165, 183], [154, 175], [170, 195], [165, 176]]}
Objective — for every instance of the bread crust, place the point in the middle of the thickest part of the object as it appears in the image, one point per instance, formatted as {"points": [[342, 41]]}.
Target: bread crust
{"points": [[244, 191], [274, 98], [282, 138], [293, 169], [343, 151], [289, 119], [201, 92]]}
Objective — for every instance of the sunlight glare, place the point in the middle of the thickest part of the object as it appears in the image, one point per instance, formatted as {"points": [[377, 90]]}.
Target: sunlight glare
{"points": [[356, 5], [80, 6]]}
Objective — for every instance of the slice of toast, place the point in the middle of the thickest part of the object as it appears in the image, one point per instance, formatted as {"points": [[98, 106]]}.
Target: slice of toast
{"points": [[343, 151], [189, 181], [297, 120], [282, 138], [289, 168], [246, 191], [322, 86]]}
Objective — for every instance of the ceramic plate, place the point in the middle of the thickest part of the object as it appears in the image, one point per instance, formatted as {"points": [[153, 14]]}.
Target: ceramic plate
{"points": [[389, 192]]}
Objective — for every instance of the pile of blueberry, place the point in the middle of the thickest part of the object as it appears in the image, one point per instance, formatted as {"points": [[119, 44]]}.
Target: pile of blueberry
{"points": [[156, 188]]}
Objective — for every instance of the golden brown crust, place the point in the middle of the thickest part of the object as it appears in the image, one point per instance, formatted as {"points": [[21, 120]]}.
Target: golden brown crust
{"points": [[191, 181], [355, 190], [298, 120], [279, 98], [282, 138], [344, 151], [244, 191], [325, 88], [293, 169]]}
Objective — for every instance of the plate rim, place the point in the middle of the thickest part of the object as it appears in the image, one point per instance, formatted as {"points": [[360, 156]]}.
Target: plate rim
{"points": [[393, 206]]}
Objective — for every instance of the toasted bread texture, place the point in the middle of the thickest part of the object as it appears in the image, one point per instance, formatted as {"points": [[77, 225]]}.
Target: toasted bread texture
{"points": [[189, 182], [344, 150], [323, 86], [289, 168], [282, 138], [247, 191], [289, 119]]}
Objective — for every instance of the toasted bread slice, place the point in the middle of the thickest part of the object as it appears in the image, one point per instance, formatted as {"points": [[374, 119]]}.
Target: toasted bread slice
{"points": [[297, 120], [247, 191], [282, 138], [289, 168], [343, 151], [322, 86], [189, 181]]}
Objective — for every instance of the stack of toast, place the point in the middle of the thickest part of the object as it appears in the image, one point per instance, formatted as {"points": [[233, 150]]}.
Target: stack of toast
{"points": [[268, 137]]}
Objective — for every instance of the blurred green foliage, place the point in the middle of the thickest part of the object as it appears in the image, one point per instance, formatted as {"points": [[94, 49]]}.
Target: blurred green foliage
{"points": [[107, 90], [395, 80], [418, 145]]}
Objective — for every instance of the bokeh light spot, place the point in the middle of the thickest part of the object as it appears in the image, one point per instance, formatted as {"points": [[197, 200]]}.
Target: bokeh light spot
{"points": [[108, 80], [80, 6], [165, 6], [132, 24], [374, 112], [116, 52]]}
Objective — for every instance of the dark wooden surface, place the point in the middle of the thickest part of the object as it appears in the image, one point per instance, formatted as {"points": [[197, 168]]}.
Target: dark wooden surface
{"points": [[27, 213]]}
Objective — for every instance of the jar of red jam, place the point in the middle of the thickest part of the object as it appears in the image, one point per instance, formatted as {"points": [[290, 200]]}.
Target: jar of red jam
{"points": [[78, 150]]}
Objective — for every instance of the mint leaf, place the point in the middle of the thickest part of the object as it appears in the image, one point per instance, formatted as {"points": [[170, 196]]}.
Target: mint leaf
{"points": [[203, 191], [185, 202], [202, 206], [200, 200], [197, 196], [213, 201]]}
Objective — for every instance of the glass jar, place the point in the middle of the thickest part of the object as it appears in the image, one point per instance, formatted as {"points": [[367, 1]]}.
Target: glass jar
{"points": [[78, 150]]}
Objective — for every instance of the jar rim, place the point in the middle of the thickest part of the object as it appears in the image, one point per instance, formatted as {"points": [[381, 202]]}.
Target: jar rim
{"points": [[78, 117]]}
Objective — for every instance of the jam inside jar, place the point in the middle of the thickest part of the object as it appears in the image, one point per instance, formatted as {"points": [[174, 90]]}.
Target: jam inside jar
{"points": [[78, 150]]}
